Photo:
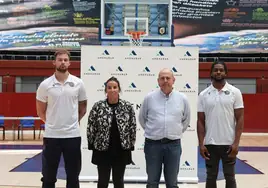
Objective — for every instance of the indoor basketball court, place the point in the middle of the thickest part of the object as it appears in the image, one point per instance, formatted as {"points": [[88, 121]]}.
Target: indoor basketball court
{"points": [[21, 165], [133, 23]]}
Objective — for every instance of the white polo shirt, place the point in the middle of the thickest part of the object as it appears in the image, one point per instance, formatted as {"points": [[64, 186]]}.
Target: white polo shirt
{"points": [[218, 107], [62, 106]]}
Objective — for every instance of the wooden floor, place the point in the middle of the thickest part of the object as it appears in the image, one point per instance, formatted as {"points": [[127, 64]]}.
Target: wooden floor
{"points": [[247, 139], [257, 141], [9, 160]]}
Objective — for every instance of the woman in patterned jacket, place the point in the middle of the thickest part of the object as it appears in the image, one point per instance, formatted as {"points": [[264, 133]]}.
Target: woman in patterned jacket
{"points": [[111, 134]]}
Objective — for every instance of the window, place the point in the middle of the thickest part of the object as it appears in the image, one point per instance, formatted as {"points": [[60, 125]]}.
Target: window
{"points": [[28, 84]]}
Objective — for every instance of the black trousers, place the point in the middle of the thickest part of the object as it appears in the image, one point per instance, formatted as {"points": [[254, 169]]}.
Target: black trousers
{"points": [[104, 171], [217, 153], [52, 150]]}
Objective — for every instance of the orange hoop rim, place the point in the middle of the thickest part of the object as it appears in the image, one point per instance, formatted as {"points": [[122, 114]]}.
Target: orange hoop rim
{"points": [[136, 34]]}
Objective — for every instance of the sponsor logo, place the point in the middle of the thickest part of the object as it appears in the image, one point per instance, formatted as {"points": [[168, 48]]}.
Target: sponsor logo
{"points": [[132, 88], [186, 166], [190, 129], [175, 72], [119, 72], [187, 89], [105, 55], [141, 147], [187, 56], [146, 72], [92, 71], [133, 56], [160, 56], [102, 88]]}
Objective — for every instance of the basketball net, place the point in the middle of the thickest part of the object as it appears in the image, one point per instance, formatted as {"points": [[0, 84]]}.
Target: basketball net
{"points": [[136, 37]]}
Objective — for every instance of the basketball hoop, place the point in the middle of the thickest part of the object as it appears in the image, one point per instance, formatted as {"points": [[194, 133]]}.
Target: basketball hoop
{"points": [[136, 37]]}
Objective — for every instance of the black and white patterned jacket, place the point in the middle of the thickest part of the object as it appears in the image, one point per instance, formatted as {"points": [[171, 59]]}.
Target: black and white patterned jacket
{"points": [[100, 121]]}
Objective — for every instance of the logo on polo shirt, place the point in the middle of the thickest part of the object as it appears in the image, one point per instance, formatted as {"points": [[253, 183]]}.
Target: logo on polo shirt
{"points": [[71, 84]]}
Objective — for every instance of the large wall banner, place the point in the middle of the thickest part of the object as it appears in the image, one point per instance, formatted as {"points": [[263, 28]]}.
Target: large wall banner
{"points": [[217, 26], [137, 70], [48, 24]]}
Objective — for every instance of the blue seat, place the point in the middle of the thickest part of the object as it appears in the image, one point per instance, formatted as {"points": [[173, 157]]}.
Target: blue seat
{"points": [[2, 126], [26, 124], [42, 127]]}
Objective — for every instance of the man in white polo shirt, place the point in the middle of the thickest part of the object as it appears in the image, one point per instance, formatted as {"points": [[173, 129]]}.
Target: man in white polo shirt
{"points": [[61, 102], [220, 125]]}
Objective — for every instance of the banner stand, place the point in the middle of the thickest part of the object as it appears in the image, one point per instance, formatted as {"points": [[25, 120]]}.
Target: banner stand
{"points": [[137, 70]]}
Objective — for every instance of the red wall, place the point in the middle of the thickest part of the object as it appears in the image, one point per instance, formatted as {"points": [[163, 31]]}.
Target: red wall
{"points": [[255, 112], [17, 105], [23, 104]]}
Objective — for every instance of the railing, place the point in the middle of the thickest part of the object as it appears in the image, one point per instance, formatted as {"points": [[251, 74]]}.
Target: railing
{"points": [[76, 56], [34, 55], [233, 57]]}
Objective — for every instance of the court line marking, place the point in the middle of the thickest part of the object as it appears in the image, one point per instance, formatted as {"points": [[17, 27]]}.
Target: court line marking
{"points": [[19, 152]]}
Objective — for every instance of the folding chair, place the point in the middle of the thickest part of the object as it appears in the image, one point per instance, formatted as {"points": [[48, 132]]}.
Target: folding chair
{"points": [[42, 127], [26, 124]]}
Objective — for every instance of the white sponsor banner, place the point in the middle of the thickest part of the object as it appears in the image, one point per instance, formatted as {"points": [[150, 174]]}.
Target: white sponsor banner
{"points": [[137, 70]]}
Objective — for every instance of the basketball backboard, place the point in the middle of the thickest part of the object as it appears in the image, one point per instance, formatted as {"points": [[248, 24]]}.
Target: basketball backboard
{"points": [[154, 17]]}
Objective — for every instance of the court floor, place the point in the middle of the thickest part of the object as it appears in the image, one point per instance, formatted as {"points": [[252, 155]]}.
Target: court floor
{"points": [[20, 165]]}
